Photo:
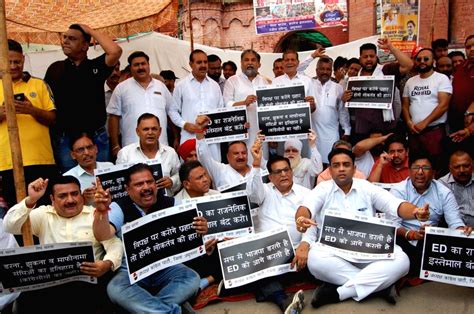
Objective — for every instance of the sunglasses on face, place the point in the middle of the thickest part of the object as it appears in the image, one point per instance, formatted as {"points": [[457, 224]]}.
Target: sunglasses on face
{"points": [[426, 59]]}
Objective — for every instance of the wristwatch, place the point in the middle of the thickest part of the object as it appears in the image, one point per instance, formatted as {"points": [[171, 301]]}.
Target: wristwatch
{"points": [[467, 113]]}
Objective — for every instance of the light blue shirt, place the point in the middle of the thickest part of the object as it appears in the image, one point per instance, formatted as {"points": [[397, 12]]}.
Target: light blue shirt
{"points": [[86, 179], [440, 199]]}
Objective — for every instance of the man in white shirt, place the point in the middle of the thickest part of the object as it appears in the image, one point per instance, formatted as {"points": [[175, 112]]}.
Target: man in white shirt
{"points": [[292, 76], [148, 147], [196, 182], [331, 111], [304, 169], [194, 94], [352, 277], [425, 104], [139, 94], [214, 70], [84, 151], [239, 90]]}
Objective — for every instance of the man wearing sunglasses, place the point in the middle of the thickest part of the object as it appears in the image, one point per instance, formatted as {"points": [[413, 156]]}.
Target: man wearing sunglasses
{"points": [[420, 189], [424, 105]]}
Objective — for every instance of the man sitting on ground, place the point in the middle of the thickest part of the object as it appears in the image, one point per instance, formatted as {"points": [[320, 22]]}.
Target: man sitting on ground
{"points": [[392, 166]]}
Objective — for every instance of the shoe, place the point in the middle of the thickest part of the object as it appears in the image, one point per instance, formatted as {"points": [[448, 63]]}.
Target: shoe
{"points": [[325, 294], [186, 308], [388, 294], [297, 304]]}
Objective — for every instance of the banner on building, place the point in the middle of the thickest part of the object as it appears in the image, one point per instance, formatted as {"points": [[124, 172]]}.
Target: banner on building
{"points": [[400, 23], [448, 256], [292, 15]]}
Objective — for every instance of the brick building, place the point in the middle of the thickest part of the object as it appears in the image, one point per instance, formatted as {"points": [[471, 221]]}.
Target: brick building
{"points": [[231, 25]]}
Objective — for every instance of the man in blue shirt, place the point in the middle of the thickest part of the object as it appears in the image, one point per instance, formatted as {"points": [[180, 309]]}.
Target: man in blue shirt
{"points": [[165, 290], [420, 189]]}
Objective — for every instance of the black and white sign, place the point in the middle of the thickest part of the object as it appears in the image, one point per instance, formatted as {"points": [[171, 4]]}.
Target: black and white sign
{"points": [[227, 214], [42, 266], [448, 256], [275, 96], [280, 123], [113, 177], [248, 259], [373, 92], [161, 239], [358, 236], [227, 125]]}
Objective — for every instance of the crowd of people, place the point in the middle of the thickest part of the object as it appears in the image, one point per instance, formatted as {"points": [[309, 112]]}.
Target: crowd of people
{"points": [[88, 114]]}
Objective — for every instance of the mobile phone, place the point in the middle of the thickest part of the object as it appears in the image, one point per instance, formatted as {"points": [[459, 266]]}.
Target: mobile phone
{"points": [[19, 97]]}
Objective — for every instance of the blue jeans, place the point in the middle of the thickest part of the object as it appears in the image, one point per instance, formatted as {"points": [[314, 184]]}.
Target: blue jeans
{"points": [[62, 150], [162, 292]]}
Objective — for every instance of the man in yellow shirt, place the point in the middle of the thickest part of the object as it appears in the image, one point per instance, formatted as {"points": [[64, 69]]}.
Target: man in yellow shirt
{"points": [[35, 112]]}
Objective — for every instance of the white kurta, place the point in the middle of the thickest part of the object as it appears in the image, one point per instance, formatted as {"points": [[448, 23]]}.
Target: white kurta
{"points": [[307, 168], [330, 113], [191, 98], [237, 88]]}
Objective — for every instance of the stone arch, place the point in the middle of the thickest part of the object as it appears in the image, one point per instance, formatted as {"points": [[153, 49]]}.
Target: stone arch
{"points": [[302, 41], [197, 31], [212, 33]]}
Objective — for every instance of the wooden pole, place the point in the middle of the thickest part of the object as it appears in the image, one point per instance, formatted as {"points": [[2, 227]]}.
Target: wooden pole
{"points": [[191, 36], [13, 136]]}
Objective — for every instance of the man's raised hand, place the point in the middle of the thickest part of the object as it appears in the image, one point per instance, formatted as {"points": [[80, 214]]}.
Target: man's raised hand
{"points": [[36, 190]]}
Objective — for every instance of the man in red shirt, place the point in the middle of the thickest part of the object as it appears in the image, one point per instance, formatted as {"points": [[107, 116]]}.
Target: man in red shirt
{"points": [[392, 166]]}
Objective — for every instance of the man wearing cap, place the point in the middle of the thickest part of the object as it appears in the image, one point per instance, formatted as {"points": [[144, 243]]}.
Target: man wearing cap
{"points": [[304, 168], [133, 97], [187, 150], [170, 78], [77, 84]]}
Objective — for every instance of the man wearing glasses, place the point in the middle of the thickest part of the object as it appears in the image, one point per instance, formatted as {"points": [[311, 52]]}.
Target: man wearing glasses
{"points": [[420, 189], [84, 152], [425, 104]]}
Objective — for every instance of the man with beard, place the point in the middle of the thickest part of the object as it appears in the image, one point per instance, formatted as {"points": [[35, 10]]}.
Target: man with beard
{"points": [[112, 81], [352, 277], [165, 290], [84, 151], [368, 151], [460, 180], [384, 120], [194, 94], [331, 113], [137, 95], [214, 70], [425, 105], [392, 166], [304, 168], [421, 189], [457, 58], [67, 219], [239, 89], [444, 65], [148, 130], [229, 69], [77, 84]]}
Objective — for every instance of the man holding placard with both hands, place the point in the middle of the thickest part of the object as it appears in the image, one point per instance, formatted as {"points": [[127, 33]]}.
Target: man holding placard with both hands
{"points": [[352, 277]]}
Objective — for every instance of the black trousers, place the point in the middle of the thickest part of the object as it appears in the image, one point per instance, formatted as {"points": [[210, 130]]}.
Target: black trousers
{"points": [[414, 254]]}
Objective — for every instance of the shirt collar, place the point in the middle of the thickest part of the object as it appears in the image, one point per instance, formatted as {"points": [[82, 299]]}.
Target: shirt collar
{"points": [[412, 187], [139, 148], [452, 180], [292, 191]]}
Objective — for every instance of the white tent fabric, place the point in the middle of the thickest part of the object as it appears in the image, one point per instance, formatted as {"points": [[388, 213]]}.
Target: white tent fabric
{"points": [[168, 53]]}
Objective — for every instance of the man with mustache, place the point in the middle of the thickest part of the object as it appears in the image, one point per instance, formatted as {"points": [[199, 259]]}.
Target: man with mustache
{"points": [[331, 111], [304, 168], [425, 104], [444, 65], [460, 180], [165, 290], [352, 277], [133, 97], [214, 70], [384, 120], [392, 165], [112, 81], [84, 151], [420, 189], [194, 94], [148, 147], [77, 84], [239, 89], [66, 220]]}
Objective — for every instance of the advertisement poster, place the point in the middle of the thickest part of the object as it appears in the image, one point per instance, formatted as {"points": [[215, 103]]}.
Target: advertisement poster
{"points": [[291, 15], [400, 23]]}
